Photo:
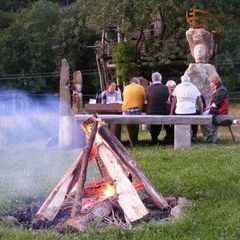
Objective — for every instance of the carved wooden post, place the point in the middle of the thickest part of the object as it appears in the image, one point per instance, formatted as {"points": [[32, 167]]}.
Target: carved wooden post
{"points": [[65, 118], [79, 137], [77, 92]]}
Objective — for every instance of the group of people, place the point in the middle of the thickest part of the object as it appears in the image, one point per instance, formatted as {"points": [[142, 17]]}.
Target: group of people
{"points": [[169, 99]]}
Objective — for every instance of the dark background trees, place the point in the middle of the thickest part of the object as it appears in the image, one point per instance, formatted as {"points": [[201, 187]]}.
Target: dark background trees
{"points": [[36, 35]]}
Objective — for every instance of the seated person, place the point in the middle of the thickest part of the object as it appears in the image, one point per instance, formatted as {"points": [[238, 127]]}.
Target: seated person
{"points": [[218, 106], [157, 97], [171, 84], [111, 95], [133, 102], [186, 99], [169, 138]]}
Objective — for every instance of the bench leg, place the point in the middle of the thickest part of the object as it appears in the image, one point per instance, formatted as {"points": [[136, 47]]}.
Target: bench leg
{"points": [[230, 129], [182, 136]]}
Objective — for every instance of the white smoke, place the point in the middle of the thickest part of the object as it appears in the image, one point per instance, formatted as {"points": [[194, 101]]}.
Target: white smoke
{"points": [[31, 162]]}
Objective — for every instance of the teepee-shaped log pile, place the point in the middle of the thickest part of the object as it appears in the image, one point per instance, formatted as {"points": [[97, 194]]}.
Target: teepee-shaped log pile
{"points": [[75, 203]]}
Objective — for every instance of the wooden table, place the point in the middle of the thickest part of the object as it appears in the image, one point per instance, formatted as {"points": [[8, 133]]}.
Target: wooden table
{"points": [[111, 108]]}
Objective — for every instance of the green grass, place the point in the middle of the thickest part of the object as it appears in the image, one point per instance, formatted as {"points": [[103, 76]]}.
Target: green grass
{"points": [[208, 175]]}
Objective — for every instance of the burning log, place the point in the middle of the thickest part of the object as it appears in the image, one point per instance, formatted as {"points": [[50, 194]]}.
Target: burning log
{"points": [[128, 197], [53, 203], [77, 205], [55, 200], [125, 157], [98, 212], [101, 166]]}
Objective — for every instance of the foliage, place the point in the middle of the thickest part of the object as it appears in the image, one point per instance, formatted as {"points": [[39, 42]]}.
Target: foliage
{"points": [[27, 45], [172, 47], [126, 58], [74, 37], [36, 34]]}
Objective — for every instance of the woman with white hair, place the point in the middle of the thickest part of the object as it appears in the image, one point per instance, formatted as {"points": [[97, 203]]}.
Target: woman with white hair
{"points": [[171, 84], [186, 99]]}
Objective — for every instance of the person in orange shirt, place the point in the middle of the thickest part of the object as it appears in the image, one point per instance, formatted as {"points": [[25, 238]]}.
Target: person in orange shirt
{"points": [[133, 102]]}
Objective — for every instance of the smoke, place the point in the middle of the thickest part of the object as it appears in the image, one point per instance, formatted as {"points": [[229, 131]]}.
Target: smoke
{"points": [[31, 162], [27, 118]]}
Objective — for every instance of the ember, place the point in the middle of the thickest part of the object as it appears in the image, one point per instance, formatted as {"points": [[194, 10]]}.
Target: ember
{"points": [[109, 191]]}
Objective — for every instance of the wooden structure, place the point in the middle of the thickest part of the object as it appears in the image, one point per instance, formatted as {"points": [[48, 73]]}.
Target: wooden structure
{"points": [[82, 202], [139, 37], [182, 123], [65, 118], [111, 108], [77, 104]]}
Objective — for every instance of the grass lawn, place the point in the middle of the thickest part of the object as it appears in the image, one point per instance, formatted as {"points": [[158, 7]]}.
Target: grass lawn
{"points": [[208, 175]]}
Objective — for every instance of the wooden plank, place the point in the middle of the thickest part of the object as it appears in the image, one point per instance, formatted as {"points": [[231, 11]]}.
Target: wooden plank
{"points": [[126, 159], [128, 197], [54, 201], [151, 119], [77, 205]]}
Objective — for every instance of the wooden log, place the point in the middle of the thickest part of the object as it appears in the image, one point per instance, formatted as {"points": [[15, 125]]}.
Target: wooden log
{"points": [[66, 186], [101, 166], [77, 205], [54, 201], [128, 197], [98, 212], [123, 154]]}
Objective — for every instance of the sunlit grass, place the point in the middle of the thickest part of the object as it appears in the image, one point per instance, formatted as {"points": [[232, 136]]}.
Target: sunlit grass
{"points": [[208, 175]]}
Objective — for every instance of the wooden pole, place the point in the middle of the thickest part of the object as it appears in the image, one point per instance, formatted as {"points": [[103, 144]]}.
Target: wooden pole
{"points": [[123, 154], [77, 205], [77, 93], [65, 118]]}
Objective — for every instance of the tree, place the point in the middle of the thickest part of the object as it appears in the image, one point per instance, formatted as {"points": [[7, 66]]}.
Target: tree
{"points": [[172, 46], [126, 57], [27, 45]]}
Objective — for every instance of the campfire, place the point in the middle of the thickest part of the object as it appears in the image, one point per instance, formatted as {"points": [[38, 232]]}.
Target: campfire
{"points": [[122, 195]]}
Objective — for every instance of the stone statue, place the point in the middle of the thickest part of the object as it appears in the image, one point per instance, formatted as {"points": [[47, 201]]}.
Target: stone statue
{"points": [[200, 40], [201, 43]]}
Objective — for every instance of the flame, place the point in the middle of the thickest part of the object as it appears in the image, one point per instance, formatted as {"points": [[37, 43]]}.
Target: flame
{"points": [[109, 191]]}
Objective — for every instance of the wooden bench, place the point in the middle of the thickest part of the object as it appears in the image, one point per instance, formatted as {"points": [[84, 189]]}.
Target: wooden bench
{"points": [[182, 128]]}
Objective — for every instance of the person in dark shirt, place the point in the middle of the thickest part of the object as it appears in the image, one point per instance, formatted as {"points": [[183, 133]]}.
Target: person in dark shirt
{"points": [[156, 96], [218, 106]]}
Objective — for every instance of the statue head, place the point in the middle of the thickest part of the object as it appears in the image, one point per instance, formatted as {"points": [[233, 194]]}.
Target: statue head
{"points": [[200, 53], [201, 44]]}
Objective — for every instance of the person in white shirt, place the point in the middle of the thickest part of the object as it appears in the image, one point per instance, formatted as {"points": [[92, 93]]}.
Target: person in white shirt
{"points": [[187, 100]]}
